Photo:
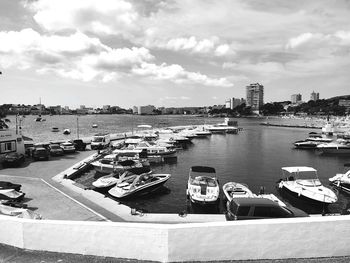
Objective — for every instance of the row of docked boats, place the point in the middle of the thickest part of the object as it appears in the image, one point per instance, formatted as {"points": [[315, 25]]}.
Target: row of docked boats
{"points": [[203, 186], [324, 145]]}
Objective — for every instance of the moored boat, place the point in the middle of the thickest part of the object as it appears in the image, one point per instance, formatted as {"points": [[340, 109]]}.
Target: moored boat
{"points": [[342, 180], [203, 186], [132, 186], [307, 189], [111, 164], [236, 190], [341, 146]]}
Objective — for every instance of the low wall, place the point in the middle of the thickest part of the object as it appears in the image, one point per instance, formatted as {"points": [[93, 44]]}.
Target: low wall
{"points": [[237, 240]]}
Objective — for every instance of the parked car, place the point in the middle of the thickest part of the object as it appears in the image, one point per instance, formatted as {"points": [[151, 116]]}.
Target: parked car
{"points": [[68, 147], [259, 208], [79, 144], [55, 150], [13, 159], [40, 153]]}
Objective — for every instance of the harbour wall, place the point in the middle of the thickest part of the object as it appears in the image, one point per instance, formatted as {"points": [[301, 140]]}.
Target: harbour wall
{"points": [[217, 241]]}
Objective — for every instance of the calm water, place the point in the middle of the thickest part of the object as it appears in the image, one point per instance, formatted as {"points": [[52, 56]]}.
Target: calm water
{"points": [[254, 156]]}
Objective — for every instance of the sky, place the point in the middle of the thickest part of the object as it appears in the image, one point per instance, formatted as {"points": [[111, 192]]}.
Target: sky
{"points": [[171, 53]]}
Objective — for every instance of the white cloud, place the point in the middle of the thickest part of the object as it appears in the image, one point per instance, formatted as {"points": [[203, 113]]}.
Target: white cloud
{"points": [[299, 40], [102, 16], [178, 74]]}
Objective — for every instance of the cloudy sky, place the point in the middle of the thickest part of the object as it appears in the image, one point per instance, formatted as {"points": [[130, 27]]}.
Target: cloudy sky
{"points": [[171, 53]]}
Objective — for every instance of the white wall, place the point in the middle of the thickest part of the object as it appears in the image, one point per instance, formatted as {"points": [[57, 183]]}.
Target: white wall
{"points": [[255, 239]]}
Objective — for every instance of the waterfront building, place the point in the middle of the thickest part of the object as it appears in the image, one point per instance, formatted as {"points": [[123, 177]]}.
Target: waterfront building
{"points": [[10, 141], [146, 110], [55, 109], [315, 96], [232, 103], [255, 96], [296, 98]]}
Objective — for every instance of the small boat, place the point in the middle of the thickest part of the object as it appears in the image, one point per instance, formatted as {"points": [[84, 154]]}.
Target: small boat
{"points": [[66, 131], [94, 126], [55, 129], [342, 181], [11, 194], [236, 190], [143, 184], [203, 186], [38, 119], [111, 164], [311, 142], [8, 185], [310, 190], [113, 178], [18, 212], [341, 146]]}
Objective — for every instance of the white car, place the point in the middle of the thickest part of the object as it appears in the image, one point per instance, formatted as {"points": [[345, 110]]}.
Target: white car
{"points": [[68, 147]]}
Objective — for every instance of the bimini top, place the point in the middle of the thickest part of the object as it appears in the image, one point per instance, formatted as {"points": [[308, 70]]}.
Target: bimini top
{"points": [[297, 169], [144, 126], [202, 169]]}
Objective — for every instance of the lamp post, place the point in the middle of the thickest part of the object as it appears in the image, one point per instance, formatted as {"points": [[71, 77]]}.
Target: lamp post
{"points": [[78, 126]]}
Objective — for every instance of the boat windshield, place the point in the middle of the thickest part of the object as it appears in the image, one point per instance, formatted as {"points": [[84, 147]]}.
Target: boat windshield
{"points": [[97, 139], [309, 182], [199, 180]]}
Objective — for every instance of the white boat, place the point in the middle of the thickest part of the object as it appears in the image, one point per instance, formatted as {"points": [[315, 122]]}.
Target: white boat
{"points": [[306, 189], [341, 146], [111, 164], [203, 186], [236, 190], [94, 126], [153, 149], [228, 126], [342, 180], [132, 186], [11, 194], [113, 178], [66, 131]]}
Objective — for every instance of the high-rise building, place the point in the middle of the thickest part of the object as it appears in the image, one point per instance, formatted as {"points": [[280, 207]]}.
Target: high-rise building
{"points": [[255, 96], [296, 98], [315, 96]]}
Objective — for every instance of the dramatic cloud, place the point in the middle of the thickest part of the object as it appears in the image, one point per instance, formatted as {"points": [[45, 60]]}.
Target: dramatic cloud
{"points": [[178, 74]]}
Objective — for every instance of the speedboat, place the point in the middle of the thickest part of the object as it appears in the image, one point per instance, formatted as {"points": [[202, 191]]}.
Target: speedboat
{"points": [[11, 194], [8, 185], [66, 131], [310, 190], [311, 142], [342, 181], [341, 146], [236, 190], [94, 126], [113, 178], [110, 164], [131, 186], [203, 185], [228, 126]]}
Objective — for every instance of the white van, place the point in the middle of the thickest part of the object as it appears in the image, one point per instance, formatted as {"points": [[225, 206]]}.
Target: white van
{"points": [[100, 141]]}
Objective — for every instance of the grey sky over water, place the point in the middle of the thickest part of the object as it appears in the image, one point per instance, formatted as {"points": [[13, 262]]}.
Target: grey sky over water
{"points": [[171, 53]]}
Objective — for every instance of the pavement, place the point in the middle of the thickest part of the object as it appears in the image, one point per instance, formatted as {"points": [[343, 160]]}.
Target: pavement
{"points": [[49, 198]]}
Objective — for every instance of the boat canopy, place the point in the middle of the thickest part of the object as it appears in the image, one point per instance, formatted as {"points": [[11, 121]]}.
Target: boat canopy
{"points": [[298, 169], [202, 169], [144, 126]]}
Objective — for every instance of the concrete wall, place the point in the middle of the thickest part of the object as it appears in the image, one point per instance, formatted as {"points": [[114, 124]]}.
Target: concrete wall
{"points": [[256, 239]]}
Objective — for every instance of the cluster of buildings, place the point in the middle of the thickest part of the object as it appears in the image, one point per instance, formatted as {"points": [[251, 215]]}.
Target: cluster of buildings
{"points": [[297, 98]]}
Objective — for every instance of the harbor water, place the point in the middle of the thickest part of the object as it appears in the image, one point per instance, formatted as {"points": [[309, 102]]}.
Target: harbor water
{"points": [[254, 156]]}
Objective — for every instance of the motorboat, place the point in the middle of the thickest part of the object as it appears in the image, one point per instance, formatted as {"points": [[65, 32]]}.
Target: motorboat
{"points": [[341, 146], [236, 190], [201, 132], [239, 190], [8, 185], [11, 194], [203, 185], [111, 164], [311, 142], [153, 149], [94, 125], [131, 186], [307, 189], [18, 212], [66, 131], [55, 129], [342, 180], [228, 126], [113, 178]]}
